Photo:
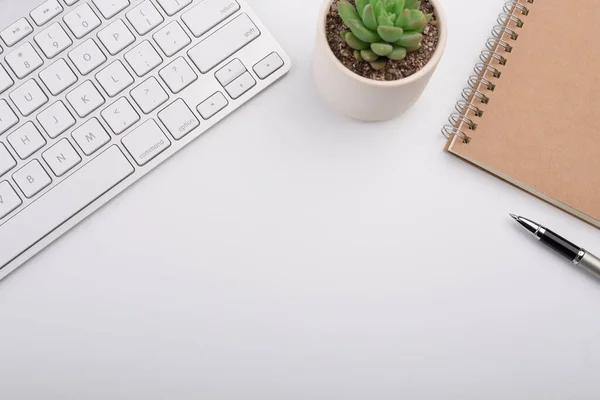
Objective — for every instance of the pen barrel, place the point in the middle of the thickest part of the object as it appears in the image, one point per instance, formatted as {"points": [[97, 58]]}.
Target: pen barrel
{"points": [[591, 263], [560, 245]]}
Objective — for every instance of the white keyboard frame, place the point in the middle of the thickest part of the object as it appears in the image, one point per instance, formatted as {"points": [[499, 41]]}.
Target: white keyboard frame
{"points": [[206, 83]]}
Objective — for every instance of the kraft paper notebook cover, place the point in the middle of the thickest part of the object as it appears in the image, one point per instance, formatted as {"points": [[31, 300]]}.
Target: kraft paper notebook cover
{"points": [[539, 128]]}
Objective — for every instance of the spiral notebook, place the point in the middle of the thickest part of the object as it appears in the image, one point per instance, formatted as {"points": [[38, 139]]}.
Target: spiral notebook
{"points": [[531, 111]]}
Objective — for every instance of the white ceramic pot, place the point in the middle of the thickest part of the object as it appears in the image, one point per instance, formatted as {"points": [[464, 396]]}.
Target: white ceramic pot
{"points": [[366, 99]]}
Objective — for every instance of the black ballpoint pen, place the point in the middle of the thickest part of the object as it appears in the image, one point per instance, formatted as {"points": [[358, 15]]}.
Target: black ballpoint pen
{"points": [[574, 253]]}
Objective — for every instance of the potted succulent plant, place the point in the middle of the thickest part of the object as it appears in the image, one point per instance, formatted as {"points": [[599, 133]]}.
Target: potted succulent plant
{"points": [[374, 58]]}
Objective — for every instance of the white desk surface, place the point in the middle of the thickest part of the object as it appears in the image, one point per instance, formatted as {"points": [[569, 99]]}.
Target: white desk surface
{"points": [[292, 253]]}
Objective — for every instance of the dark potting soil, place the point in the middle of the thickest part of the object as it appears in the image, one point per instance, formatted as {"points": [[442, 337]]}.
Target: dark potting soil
{"points": [[394, 70]]}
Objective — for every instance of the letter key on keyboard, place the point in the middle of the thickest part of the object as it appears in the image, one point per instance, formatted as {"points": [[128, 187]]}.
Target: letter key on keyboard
{"points": [[94, 94]]}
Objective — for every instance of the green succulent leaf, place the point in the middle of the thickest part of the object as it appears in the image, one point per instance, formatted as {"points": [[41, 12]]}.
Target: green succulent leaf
{"points": [[347, 11], [399, 6], [397, 54], [378, 64], [379, 11], [410, 40], [389, 5], [358, 56], [385, 20], [360, 6], [368, 55], [382, 49], [369, 18], [403, 19], [362, 32], [382, 29], [355, 42], [412, 4], [390, 34], [417, 21]]}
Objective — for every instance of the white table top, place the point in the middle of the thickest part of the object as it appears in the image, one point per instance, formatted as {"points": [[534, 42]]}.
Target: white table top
{"points": [[292, 253]]}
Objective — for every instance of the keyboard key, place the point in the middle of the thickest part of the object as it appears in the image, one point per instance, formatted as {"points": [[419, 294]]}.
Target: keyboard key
{"points": [[8, 118], [146, 142], [58, 77], [114, 78], [7, 162], [5, 80], [70, 2], [62, 202], [28, 97], [268, 65], [26, 140], [144, 18], [178, 75], [143, 58], [87, 57], [110, 8], [120, 115], [16, 32], [172, 7], [61, 158], [53, 40], [241, 85], [56, 119], [85, 98], [82, 20], [149, 95], [172, 38], [116, 37], [215, 103], [228, 73], [24, 60], [45, 12], [208, 14], [91, 136], [9, 199], [32, 179], [223, 43], [178, 119]]}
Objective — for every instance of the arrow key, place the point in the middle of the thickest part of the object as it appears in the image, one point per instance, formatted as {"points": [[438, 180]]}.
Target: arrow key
{"points": [[120, 115], [229, 72], [241, 85], [268, 65]]}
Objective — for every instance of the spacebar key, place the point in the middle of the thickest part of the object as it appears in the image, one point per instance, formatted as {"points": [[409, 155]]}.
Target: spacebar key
{"points": [[54, 208]]}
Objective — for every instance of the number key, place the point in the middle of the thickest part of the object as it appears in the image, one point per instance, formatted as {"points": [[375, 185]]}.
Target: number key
{"points": [[24, 60], [53, 40], [82, 21]]}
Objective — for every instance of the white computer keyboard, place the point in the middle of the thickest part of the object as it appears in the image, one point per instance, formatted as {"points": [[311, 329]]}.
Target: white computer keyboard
{"points": [[94, 94]]}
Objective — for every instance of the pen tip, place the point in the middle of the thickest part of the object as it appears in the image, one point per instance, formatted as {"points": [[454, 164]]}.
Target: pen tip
{"points": [[515, 217]]}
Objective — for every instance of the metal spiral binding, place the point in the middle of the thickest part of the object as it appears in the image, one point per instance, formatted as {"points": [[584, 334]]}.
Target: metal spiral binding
{"points": [[496, 48]]}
